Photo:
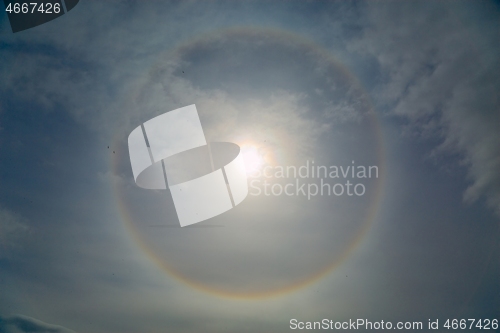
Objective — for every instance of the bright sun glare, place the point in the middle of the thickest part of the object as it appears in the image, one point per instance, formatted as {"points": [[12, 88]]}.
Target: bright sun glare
{"points": [[253, 159]]}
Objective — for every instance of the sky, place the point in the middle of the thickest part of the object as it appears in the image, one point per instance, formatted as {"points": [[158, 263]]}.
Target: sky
{"points": [[408, 87]]}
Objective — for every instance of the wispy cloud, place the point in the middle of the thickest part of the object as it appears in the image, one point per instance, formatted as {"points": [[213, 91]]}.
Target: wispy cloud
{"points": [[439, 72]]}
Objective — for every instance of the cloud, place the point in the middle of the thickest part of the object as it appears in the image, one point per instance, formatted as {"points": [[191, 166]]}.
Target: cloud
{"points": [[249, 81], [440, 74], [280, 119], [438, 70], [21, 324], [97, 69]]}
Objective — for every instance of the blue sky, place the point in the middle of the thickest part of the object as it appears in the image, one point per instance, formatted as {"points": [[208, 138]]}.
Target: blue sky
{"points": [[409, 86]]}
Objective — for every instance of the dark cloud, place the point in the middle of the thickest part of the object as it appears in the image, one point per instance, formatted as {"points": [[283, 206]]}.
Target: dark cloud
{"points": [[25, 324]]}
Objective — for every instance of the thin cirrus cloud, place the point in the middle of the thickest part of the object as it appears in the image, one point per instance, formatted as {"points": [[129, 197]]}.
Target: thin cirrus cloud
{"points": [[442, 81]]}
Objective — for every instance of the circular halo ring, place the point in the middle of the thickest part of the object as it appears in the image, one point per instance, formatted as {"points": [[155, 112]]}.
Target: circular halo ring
{"points": [[313, 277]]}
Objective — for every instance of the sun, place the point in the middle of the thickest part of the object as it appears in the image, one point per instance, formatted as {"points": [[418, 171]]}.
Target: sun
{"points": [[252, 157]]}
